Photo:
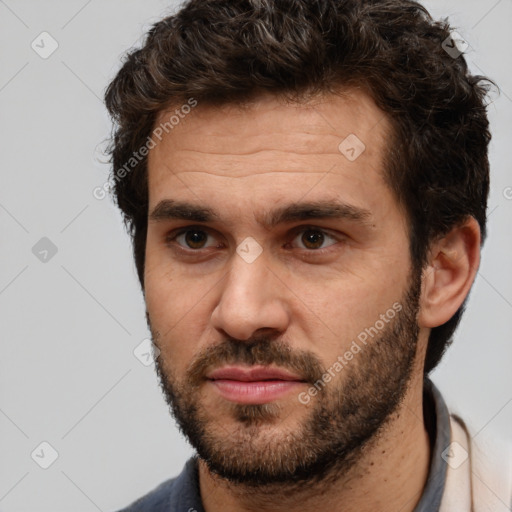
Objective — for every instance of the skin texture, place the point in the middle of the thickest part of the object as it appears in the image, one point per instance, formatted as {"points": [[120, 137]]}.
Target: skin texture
{"points": [[242, 164]]}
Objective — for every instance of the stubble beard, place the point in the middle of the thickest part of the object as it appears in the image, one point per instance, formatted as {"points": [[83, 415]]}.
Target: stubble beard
{"points": [[248, 444]]}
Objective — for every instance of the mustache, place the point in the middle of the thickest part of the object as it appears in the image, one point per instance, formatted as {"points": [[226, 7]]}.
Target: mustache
{"points": [[258, 351]]}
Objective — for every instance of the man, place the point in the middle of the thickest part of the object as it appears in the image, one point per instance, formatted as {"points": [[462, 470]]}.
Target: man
{"points": [[306, 184]]}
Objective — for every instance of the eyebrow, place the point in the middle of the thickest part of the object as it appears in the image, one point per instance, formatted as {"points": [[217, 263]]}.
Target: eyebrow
{"points": [[168, 209]]}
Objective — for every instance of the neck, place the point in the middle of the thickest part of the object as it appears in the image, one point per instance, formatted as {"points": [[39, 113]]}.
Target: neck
{"points": [[390, 474]]}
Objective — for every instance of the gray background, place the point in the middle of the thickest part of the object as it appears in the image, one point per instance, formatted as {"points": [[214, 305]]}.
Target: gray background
{"points": [[70, 324]]}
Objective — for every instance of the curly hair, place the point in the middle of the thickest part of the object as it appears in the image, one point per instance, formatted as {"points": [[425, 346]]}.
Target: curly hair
{"points": [[230, 51]]}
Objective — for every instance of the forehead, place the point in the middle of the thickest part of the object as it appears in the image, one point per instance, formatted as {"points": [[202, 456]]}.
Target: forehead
{"points": [[331, 142]]}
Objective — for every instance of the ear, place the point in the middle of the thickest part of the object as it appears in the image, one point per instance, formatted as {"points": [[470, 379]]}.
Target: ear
{"points": [[451, 269]]}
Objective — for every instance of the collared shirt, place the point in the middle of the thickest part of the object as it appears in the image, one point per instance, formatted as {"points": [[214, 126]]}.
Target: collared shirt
{"points": [[181, 494], [437, 423]]}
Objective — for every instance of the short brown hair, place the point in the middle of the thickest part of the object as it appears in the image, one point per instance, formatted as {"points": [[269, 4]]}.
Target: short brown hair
{"points": [[229, 51]]}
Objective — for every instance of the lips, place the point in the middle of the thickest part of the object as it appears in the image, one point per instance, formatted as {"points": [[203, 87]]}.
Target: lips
{"points": [[254, 385], [252, 374]]}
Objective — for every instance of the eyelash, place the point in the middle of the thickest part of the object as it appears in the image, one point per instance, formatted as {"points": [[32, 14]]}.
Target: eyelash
{"points": [[174, 235]]}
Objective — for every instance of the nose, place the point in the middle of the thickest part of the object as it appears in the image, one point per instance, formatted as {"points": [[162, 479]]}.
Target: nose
{"points": [[252, 297]]}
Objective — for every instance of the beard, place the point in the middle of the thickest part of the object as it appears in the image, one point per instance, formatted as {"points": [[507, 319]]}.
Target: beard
{"points": [[250, 444]]}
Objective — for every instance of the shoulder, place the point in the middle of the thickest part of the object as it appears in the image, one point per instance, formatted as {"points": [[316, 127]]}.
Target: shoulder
{"points": [[491, 459], [157, 500], [176, 494], [481, 468]]}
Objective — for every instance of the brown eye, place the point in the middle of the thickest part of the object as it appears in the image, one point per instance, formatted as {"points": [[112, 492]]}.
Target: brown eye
{"points": [[195, 239], [312, 239]]}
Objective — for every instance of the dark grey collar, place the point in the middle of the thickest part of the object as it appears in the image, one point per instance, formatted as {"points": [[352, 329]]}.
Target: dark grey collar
{"points": [[437, 422]]}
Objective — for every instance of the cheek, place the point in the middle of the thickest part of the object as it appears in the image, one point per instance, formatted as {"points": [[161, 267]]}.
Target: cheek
{"points": [[180, 325], [163, 291], [176, 311], [334, 312]]}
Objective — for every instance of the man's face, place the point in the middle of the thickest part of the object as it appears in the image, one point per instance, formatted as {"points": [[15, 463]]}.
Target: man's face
{"points": [[254, 303]]}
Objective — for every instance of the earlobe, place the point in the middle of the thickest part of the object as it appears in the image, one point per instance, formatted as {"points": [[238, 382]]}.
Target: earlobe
{"points": [[449, 275]]}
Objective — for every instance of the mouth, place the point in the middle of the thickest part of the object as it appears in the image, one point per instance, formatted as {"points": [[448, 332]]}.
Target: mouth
{"points": [[253, 385]]}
